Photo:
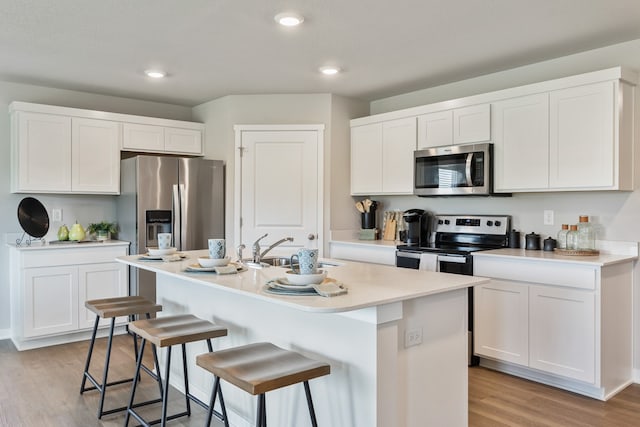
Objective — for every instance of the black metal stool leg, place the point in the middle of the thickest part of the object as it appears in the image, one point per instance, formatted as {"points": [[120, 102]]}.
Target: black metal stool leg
{"points": [[105, 374], [312, 413], [89, 354], [212, 401], [135, 382], [259, 415], [187, 394], [165, 395]]}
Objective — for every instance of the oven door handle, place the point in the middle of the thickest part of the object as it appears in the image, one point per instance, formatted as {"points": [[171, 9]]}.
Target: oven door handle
{"points": [[467, 169], [452, 258], [403, 254]]}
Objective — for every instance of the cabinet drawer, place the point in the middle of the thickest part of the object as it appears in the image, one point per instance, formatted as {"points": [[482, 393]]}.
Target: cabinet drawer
{"points": [[71, 256], [545, 272]]}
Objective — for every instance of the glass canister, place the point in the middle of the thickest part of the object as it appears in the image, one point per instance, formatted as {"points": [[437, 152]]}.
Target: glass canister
{"points": [[572, 238], [586, 235], [562, 237]]}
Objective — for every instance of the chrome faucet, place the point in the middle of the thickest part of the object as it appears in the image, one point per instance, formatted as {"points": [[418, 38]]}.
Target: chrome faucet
{"points": [[257, 255]]}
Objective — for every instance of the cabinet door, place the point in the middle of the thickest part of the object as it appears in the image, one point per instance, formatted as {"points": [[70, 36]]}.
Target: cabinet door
{"points": [[501, 321], [95, 156], [50, 300], [188, 141], [96, 281], [398, 145], [44, 153], [435, 129], [521, 143], [562, 330], [582, 137], [136, 137], [472, 124], [366, 159]]}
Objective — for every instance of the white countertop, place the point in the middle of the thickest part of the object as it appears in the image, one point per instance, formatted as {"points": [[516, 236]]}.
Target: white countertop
{"points": [[37, 246], [369, 284], [390, 244], [600, 260]]}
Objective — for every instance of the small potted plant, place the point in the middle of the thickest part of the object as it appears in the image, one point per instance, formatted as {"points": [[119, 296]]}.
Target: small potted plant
{"points": [[103, 230]]}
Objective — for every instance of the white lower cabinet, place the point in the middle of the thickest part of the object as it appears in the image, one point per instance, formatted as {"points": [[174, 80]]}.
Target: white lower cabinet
{"points": [[50, 286], [564, 324]]}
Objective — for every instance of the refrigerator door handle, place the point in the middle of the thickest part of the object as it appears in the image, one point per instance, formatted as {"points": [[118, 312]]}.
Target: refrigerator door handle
{"points": [[176, 214], [183, 211]]}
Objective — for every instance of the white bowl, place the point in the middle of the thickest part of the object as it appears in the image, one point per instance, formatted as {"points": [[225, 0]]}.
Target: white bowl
{"points": [[305, 279], [161, 252], [208, 262]]}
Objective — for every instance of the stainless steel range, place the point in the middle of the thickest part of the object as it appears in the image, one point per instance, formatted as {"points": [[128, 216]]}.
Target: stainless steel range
{"points": [[449, 249]]}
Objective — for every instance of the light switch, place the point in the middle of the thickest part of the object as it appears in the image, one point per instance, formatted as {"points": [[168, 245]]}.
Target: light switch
{"points": [[57, 215], [548, 217]]}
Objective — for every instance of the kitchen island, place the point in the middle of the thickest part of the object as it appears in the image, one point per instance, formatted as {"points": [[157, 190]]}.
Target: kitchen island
{"points": [[396, 342]]}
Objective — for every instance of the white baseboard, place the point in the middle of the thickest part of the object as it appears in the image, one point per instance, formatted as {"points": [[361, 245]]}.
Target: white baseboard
{"points": [[636, 376], [5, 334]]}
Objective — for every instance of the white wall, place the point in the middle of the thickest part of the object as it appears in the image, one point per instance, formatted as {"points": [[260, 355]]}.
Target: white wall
{"points": [[222, 114], [616, 214], [85, 209]]}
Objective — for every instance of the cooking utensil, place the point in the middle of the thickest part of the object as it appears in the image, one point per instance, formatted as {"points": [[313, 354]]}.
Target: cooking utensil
{"points": [[367, 204], [33, 217], [359, 207]]}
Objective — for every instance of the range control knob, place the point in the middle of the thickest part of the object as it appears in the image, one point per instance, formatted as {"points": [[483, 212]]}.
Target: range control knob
{"points": [[447, 222], [497, 223], [440, 222], [489, 223]]}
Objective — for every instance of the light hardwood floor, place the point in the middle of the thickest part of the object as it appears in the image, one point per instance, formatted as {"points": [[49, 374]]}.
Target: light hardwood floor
{"points": [[41, 388]]}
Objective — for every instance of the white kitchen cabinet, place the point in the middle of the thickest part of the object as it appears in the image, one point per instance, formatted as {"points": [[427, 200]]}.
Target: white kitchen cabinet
{"points": [[582, 137], [95, 156], [576, 317], [521, 143], [472, 124], [562, 332], [161, 139], [382, 157], [435, 129], [502, 321], [49, 286]]}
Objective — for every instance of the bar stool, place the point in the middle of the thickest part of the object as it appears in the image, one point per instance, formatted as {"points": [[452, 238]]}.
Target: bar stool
{"points": [[167, 332], [259, 368], [110, 308]]}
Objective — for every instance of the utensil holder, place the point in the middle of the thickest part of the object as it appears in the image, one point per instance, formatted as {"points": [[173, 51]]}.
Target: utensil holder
{"points": [[368, 220]]}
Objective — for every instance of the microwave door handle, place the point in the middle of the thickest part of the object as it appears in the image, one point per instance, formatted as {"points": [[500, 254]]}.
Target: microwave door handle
{"points": [[468, 169]]}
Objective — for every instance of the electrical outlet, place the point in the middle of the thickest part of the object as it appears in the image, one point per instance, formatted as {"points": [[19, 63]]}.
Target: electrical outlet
{"points": [[412, 337], [57, 215], [548, 217]]}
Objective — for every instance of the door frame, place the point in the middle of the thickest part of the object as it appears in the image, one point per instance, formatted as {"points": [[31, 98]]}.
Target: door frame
{"points": [[237, 205]]}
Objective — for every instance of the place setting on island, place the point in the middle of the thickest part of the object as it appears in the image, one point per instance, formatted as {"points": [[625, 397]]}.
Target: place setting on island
{"points": [[217, 261], [164, 251], [305, 280]]}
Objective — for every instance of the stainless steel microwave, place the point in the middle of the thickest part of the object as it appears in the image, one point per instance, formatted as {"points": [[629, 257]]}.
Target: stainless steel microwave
{"points": [[457, 170]]}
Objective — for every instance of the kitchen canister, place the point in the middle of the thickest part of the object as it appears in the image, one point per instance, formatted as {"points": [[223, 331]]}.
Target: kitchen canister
{"points": [[514, 239], [549, 244], [532, 242]]}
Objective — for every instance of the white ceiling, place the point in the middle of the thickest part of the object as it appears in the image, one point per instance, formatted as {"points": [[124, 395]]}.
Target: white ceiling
{"points": [[212, 48]]}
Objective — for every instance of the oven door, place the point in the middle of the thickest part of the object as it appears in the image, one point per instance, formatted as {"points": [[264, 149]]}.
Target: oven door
{"points": [[454, 170], [406, 259], [456, 264]]}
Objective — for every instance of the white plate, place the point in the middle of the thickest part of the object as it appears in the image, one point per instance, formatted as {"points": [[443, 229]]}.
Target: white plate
{"points": [[305, 279], [198, 267], [161, 252], [283, 283], [207, 261], [149, 257]]}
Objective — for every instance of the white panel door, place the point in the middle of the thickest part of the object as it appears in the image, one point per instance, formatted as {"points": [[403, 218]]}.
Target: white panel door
{"points": [[472, 124], [398, 145], [562, 331], [366, 159], [501, 321], [44, 152], [280, 187], [582, 137], [95, 281], [435, 129], [50, 300], [95, 156], [521, 143]]}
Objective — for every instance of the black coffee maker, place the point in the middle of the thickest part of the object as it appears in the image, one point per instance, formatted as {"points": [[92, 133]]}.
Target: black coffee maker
{"points": [[417, 230]]}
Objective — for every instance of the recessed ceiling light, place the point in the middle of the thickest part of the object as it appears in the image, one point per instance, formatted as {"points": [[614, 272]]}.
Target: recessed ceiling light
{"points": [[155, 74], [329, 70], [289, 19]]}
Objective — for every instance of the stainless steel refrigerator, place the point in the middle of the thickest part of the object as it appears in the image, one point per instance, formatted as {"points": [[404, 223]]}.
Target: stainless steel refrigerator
{"points": [[182, 196]]}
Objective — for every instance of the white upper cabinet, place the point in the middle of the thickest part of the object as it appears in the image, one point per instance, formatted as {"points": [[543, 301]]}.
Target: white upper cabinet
{"points": [[521, 143], [472, 124], [458, 126], [161, 139], [95, 156], [382, 157], [435, 129], [582, 137]]}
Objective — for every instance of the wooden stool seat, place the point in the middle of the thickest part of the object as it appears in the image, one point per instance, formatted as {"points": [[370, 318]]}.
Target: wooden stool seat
{"points": [[167, 332], [122, 306], [172, 330], [259, 368], [110, 308]]}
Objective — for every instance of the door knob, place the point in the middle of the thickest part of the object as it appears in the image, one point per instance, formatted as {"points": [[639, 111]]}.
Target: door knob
{"points": [[311, 236]]}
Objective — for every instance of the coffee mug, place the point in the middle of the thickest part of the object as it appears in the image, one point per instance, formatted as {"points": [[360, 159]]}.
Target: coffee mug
{"points": [[164, 240], [217, 248], [307, 260]]}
